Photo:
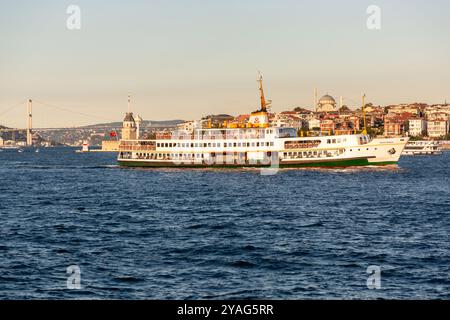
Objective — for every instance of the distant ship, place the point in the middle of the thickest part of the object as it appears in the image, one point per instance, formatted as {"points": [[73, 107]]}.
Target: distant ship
{"points": [[10, 147], [255, 145], [416, 148]]}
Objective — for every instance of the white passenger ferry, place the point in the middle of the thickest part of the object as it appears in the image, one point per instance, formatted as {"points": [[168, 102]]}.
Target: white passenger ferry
{"points": [[422, 147], [255, 145]]}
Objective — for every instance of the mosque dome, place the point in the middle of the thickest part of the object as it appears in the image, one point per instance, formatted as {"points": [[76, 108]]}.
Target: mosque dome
{"points": [[326, 104], [327, 99]]}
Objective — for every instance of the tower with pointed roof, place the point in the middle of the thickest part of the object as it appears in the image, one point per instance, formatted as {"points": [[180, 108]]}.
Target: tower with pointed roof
{"points": [[129, 127]]}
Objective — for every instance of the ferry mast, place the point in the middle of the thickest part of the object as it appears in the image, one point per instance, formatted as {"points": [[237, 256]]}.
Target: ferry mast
{"points": [[264, 103]]}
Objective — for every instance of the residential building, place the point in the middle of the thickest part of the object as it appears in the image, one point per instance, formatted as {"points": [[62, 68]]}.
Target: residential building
{"points": [[313, 123], [417, 127], [437, 128], [394, 126]]}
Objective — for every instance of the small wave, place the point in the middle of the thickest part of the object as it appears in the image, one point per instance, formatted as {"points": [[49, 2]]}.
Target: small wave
{"points": [[197, 226], [242, 264], [312, 224], [128, 279]]}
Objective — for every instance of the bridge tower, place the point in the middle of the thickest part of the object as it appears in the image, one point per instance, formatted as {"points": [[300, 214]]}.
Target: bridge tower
{"points": [[30, 123]]}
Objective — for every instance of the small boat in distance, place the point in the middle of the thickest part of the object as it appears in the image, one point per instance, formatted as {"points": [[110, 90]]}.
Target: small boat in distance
{"points": [[422, 147], [10, 147], [20, 150]]}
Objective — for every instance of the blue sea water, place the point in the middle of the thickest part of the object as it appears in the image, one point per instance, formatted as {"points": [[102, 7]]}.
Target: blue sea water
{"points": [[221, 234]]}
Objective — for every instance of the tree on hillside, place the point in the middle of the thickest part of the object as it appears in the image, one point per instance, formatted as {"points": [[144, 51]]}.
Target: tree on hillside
{"points": [[344, 109]]}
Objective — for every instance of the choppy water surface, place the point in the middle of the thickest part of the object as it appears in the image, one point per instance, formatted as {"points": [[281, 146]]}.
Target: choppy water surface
{"points": [[221, 234]]}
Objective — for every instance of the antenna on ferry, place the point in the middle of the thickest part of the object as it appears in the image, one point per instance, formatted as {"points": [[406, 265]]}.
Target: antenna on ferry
{"points": [[364, 113]]}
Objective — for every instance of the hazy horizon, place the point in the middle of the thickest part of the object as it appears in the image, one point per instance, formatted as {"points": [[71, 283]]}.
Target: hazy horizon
{"points": [[184, 61]]}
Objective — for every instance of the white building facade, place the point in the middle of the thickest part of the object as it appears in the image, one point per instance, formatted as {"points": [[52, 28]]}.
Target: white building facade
{"points": [[437, 128], [417, 127]]}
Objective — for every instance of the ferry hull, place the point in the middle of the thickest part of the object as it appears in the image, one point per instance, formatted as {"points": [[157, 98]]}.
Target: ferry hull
{"points": [[314, 164]]}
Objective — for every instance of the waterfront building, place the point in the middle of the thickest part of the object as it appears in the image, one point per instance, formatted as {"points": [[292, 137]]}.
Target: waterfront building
{"points": [[110, 145], [417, 127], [393, 126], [437, 128]]}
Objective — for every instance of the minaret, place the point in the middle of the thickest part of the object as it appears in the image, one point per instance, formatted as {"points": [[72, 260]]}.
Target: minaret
{"points": [[315, 98], [30, 123], [138, 127]]}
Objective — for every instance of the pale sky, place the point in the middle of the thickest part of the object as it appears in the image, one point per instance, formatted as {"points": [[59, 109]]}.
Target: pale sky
{"points": [[185, 59]]}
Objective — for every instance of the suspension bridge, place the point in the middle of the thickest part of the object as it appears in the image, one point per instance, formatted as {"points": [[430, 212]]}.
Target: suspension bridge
{"points": [[29, 119]]}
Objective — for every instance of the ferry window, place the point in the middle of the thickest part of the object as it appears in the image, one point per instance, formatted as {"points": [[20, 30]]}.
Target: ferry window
{"points": [[285, 154], [253, 144], [334, 140], [225, 144], [338, 140], [218, 145], [267, 144], [157, 145], [328, 141], [192, 145], [271, 144], [234, 144], [257, 144]]}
